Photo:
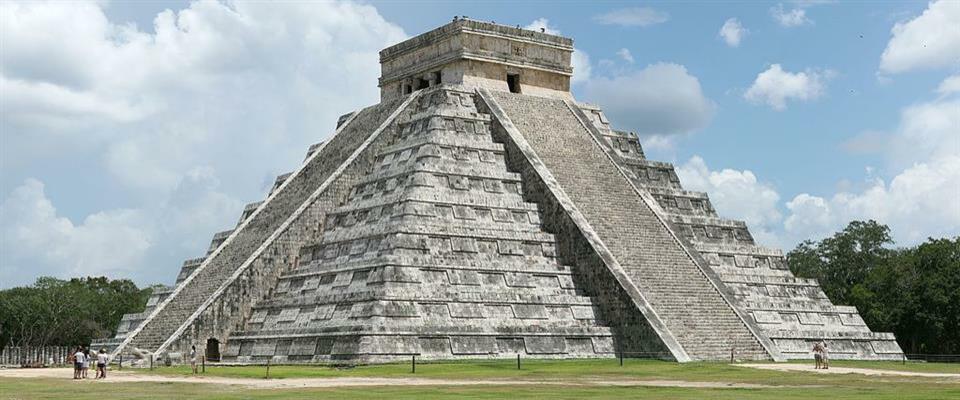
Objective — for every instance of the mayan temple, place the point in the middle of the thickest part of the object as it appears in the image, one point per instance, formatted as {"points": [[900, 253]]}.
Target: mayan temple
{"points": [[479, 210]]}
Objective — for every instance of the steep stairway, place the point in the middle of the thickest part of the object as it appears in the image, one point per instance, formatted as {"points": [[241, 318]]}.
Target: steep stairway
{"points": [[695, 312]]}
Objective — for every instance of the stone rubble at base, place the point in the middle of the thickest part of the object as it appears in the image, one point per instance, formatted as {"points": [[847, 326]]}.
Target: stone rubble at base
{"points": [[456, 219]]}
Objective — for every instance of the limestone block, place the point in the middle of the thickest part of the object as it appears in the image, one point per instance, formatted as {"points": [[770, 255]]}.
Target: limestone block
{"points": [[603, 345], [434, 346], [545, 344], [466, 310], [530, 311], [392, 345], [463, 277], [579, 346], [232, 349], [885, 347], [807, 318], [852, 320], [288, 315], [582, 312], [767, 317], [519, 279], [466, 345], [342, 346], [264, 348]]}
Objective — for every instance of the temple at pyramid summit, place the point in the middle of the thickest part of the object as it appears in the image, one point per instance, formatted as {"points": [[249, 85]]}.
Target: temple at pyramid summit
{"points": [[479, 210]]}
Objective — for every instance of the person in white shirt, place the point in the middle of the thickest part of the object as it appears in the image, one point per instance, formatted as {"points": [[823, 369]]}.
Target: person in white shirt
{"points": [[77, 362], [193, 358], [102, 359], [825, 354]]}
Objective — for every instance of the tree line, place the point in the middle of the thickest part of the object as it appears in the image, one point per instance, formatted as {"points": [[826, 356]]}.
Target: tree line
{"points": [[56, 312], [913, 292]]}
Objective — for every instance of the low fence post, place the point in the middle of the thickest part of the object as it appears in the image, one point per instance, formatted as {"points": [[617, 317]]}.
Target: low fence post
{"points": [[151, 362], [120, 364], [268, 369], [518, 361], [203, 364], [904, 358], [413, 364]]}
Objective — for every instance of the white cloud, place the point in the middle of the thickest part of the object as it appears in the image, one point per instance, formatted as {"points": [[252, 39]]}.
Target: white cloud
{"points": [[220, 99], [660, 99], [920, 200], [579, 60], [736, 194], [929, 41], [637, 16], [775, 86], [625, 55], [542, 25], [790, 19], [732, 32], [949, 85], [36, 241], [581, 66]]}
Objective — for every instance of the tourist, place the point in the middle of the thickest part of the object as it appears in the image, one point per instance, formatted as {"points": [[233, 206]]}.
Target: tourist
{"points": [[824, 355], [72, 359], [78, 359], [85, 365], [193, 358], [817, 355], [102, 359]]}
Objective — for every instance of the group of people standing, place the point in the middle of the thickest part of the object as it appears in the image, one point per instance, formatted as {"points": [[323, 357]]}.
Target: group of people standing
{"points": [[82, 359], [820, 355]]}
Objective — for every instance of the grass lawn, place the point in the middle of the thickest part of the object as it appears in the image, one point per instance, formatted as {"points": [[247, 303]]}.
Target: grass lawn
{"points": [[566, 370], [566, 379]]}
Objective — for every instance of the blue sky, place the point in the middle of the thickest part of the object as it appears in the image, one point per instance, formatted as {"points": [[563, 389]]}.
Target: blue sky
{"points": [[132, 131]]}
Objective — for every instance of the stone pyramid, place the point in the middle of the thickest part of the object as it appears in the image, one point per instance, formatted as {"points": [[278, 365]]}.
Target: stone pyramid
{"points": [[478, 210]]}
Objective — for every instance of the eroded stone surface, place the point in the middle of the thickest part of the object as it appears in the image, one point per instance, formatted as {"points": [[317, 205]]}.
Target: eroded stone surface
{"points": [[455, 219]]}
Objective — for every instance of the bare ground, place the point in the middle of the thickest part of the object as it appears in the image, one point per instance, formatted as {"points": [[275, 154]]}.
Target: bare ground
{"points": [[290, 383], [846, 370]]}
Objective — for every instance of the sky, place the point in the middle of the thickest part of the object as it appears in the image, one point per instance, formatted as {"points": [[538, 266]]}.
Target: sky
{"points": [[130, 132]]}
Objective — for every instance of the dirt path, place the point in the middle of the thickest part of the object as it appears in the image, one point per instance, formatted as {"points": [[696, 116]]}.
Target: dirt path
{"points": [[846, 370], [128, 377]]}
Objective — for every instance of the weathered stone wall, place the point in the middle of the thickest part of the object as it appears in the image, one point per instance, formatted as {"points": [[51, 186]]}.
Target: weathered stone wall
{"points": [[245, 246], [632, 333], [692, 308], [434, 253], [793, 313], [473, 52]]}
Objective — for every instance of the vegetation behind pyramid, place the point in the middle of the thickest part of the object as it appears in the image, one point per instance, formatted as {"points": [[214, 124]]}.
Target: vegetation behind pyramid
{"points": [[479, 210]]}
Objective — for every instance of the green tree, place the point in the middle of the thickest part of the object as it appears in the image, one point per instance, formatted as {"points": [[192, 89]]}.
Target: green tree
{"points": [[844, 260], [912, 292], [58, 312]]}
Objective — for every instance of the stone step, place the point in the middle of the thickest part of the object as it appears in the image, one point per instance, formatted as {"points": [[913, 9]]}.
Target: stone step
{"points": [[634, 235]]}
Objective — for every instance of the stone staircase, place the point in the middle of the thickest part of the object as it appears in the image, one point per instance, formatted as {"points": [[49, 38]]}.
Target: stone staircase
{"points": [[695, 312], [433, 253], [793, 313], [271, 236]]}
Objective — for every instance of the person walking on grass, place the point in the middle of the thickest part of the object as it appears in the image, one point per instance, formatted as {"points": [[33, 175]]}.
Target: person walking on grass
{"points": [[193, 358], [102, 359]]}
